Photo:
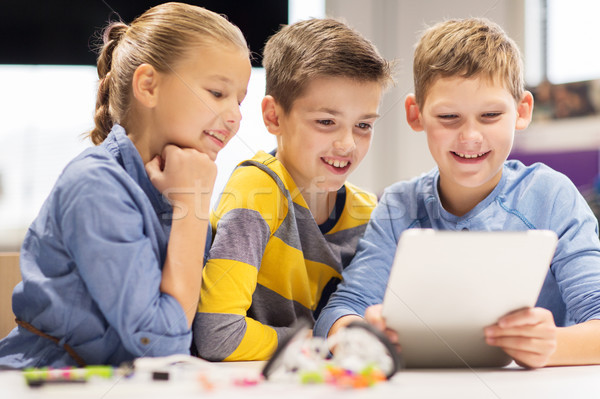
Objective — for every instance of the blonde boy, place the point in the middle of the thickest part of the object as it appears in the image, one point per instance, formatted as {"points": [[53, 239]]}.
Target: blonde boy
{"points": [[469, 99], [288, 223]]}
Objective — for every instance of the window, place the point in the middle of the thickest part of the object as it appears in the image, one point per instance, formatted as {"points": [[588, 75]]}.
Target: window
{"points": [[561, 37], [48, 108]]}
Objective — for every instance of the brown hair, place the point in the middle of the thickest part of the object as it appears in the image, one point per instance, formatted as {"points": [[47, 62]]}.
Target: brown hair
{"points": [[314, 48], [159, 37], [466, 48]]}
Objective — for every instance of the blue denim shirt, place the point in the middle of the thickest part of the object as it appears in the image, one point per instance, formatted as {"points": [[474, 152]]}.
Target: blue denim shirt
{"points": [[534, 197], [91, 264]]}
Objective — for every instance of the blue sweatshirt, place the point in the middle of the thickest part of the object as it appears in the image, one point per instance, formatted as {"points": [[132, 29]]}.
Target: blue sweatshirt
{"points": [[92, 265], [534, 197]]}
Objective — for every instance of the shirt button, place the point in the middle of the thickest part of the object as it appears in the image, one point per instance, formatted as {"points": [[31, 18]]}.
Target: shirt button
{"points": [[145, 341]]}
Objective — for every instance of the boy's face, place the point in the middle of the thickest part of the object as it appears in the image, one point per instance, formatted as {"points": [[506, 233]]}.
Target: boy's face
{"points": [[327, 132], [470, 125]]}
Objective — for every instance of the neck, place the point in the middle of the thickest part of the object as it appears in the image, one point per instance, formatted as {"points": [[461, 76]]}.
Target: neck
{"points": [[139, 134], [460, 200], [320, 203]]}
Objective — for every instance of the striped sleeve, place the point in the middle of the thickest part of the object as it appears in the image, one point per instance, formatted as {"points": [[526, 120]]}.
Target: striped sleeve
{"points": [[247, 213]]}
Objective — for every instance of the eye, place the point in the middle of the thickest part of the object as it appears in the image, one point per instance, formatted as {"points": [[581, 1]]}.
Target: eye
{"points": [[491, 114], [216, 93], [325, 122], [448, 116], [364, 126]]}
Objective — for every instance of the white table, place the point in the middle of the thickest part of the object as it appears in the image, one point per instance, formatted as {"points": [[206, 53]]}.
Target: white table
{"points": [[510, 382]]}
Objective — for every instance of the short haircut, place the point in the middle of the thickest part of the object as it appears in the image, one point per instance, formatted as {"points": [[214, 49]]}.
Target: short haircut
{"points": [[467, 48], [315, 48]]}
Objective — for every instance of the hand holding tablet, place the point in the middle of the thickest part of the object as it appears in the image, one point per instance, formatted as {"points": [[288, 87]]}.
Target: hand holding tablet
{"points": [[445, 287]]}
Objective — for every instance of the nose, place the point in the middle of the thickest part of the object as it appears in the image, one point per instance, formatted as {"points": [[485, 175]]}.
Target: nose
{"points": [[232, 116], [471, 132], [345, 143]]}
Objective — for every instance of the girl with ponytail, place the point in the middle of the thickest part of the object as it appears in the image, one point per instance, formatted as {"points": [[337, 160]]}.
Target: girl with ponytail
{"points": [[112, 265]]}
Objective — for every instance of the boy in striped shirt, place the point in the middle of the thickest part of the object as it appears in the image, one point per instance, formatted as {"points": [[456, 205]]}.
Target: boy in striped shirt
{"points": [[288, 223]]}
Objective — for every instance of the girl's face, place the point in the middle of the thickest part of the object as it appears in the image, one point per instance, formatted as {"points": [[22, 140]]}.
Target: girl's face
{"points": [[198, 102]]}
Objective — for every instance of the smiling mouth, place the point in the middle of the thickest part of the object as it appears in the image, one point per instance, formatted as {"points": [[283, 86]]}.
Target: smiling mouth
{"points": [[470, 156], [219, 136], [336, 163]]}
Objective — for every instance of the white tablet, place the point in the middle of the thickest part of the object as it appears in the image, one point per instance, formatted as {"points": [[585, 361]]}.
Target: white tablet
{"points": [[446, 286]]}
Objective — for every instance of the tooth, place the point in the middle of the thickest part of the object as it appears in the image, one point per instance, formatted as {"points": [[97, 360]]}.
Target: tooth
{"points": [[219, 136]]}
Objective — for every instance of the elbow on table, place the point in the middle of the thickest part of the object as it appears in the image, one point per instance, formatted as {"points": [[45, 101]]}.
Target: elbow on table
{"points": [[217, 335]]}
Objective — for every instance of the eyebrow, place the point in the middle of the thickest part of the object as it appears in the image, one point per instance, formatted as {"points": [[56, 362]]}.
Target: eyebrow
{"points": [[220, 77], [336, 113], [452, 104], [226, 80]]}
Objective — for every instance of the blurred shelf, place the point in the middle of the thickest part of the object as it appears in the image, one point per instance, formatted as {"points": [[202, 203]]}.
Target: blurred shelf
{"points": [[572, 134]]}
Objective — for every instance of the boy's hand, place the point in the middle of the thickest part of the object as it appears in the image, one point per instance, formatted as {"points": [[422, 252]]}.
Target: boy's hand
{"points": [[527, 335], [373, 316]]}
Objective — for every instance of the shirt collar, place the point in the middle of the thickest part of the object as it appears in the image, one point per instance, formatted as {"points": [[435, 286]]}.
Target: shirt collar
{"points": [[478, 208], [121, 147]]}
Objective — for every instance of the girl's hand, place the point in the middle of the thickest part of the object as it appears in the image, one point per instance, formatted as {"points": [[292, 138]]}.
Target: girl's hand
{"points": [[184, 176], [528, 336]]}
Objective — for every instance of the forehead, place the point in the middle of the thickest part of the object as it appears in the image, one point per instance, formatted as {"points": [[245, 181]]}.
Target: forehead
{"points": [[213, 56], [226, 64], [337, 90], [455, 81]]}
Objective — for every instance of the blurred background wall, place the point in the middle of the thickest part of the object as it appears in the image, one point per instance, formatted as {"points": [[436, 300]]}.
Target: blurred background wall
{"points": [[48, 86]]}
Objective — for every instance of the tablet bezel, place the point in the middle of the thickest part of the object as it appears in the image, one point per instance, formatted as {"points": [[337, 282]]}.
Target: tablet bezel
{"points": [[435, 280]]}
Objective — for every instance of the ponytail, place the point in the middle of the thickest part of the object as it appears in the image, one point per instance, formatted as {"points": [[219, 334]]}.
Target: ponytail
{"points": [[102, 117], [159, 37]]}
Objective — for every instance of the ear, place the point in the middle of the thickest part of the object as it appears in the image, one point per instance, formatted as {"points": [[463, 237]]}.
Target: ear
{"points": [[413, 115], [524, 111], [270, 112], [145, 85]]}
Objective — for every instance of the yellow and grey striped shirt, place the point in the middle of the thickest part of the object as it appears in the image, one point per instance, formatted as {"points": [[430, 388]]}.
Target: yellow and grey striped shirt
{"points": [[270, 263]]}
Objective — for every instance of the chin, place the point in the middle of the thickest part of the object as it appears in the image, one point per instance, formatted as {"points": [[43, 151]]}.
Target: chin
{"points": [[331, 186]]}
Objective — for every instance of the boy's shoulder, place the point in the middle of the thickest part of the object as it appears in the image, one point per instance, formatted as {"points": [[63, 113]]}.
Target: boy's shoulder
{"points": [[537, 175], [417, 188], [262, 173], [260, 184], [541, 195], [409, 200]]}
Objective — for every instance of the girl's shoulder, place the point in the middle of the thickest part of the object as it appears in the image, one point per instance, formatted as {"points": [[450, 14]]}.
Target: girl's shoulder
{"points": [[92, 172]]}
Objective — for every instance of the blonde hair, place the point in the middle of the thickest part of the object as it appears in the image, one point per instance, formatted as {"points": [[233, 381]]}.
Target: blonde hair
{"points": [[159, 37], [315, 48], [466, 48]]}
